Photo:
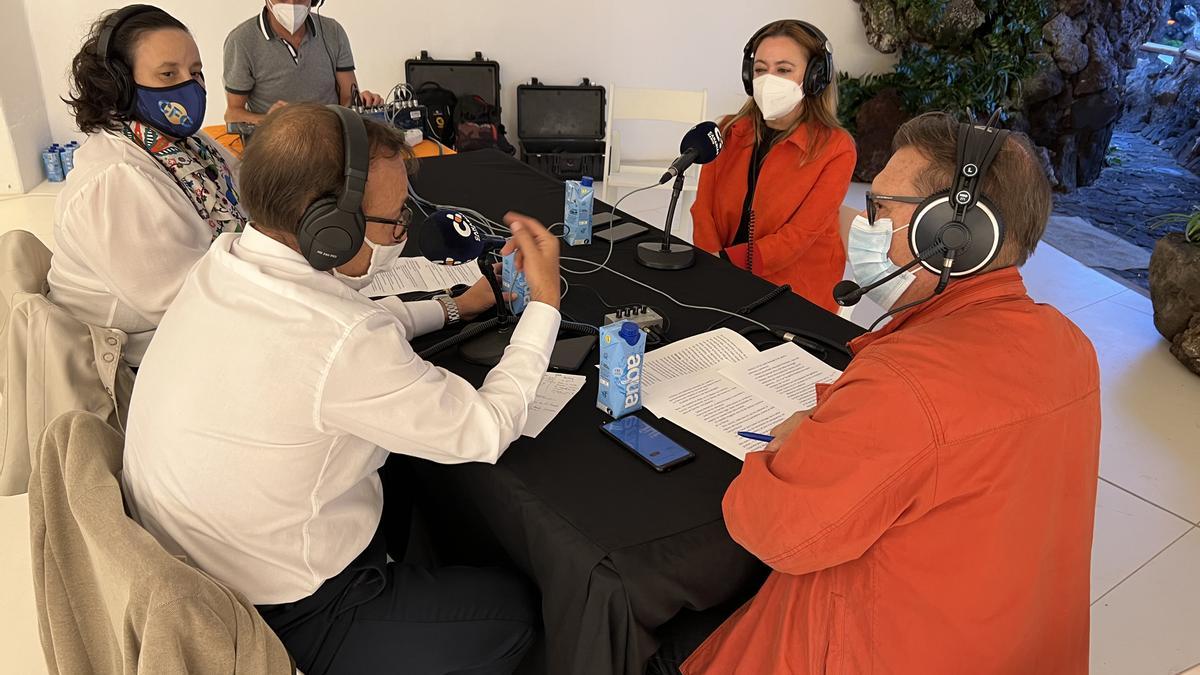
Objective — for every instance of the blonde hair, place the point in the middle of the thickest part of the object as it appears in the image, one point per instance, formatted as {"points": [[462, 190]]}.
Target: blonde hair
{"points": [[822, 110]]}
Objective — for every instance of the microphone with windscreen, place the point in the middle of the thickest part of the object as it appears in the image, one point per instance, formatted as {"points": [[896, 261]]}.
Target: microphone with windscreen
{"points": [[450, 238], [847, 293], [700, 145]]}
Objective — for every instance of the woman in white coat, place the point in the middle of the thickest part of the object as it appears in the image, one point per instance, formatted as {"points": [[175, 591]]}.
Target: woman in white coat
{"points": [[150, 191]]}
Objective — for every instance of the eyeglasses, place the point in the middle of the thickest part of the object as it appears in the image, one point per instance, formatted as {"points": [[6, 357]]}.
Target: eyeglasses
{"points": [[873, 206], [403, 222]]}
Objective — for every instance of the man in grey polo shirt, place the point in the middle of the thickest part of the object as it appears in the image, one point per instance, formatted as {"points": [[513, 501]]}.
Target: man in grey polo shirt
{"points": [[287, 55]]}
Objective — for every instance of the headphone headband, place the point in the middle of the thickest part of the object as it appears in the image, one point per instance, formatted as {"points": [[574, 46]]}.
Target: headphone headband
{"points": [[332, 228], [961, 220], [114, 22], [356, 162], [817, 75], [977, 148]]}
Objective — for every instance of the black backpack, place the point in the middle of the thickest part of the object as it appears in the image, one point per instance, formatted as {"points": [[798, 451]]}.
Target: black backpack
{"points": [[477, 126], [440, 104]]}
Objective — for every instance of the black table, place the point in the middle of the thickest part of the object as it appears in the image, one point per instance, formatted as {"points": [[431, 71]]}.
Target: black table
{"points": [[615, 548]]}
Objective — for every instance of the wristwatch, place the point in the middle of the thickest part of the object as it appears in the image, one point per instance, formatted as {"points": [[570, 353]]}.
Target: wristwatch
{"points": [[453, 316]]}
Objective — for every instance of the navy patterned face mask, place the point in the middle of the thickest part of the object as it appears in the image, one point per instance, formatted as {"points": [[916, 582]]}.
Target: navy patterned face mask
{"points": [[177, 111]]}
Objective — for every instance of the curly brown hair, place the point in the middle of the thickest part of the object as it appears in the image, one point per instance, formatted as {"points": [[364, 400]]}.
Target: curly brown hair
{"points": [[96, 98]]}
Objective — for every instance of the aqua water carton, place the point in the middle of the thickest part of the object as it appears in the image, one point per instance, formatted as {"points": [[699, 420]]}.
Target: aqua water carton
{"points": [[622, 351]]}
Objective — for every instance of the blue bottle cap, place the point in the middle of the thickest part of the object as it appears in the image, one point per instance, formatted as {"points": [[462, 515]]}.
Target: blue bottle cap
{"points": [[630, 333], [586, 182]]}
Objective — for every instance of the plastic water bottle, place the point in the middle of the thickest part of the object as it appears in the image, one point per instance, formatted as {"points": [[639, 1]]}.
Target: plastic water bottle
{"points": [[52, 162], [622, 351], [577, 215], [513, 281], [66, 156]]}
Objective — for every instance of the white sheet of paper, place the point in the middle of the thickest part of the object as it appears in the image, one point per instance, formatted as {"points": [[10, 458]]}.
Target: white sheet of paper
{"points": [[717, 384], [786, 376], [715, 409], [555, 390], [697, 354], [411, 275]]}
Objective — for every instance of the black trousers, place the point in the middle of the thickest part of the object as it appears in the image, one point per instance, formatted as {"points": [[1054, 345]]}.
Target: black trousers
{"points": [[381, 617], [684, 634]]}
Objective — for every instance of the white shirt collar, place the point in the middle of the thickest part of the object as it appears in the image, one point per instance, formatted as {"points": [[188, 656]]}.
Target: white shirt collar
{"points": [[261, 246]]}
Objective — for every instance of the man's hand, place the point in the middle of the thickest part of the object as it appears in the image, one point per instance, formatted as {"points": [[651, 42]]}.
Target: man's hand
{"points": [[537, 257], [276, 106], [370, 99], [785, 429], [479, 298]]}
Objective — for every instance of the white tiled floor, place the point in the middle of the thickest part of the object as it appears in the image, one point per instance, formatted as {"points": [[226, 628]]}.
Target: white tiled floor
{"points": [[1146, 555]]}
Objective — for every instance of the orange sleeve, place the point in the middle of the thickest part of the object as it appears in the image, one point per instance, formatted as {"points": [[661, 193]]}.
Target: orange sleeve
{"points": [[865, 461], [704, 224], [782, 248]]}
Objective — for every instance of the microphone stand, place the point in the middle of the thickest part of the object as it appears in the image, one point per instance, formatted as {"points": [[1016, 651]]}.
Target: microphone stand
{"points": [[487, 349], [668, 256]]}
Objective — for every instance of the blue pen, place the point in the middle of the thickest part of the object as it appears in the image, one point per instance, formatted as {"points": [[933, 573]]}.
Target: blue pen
{"points": [[756, 437]]}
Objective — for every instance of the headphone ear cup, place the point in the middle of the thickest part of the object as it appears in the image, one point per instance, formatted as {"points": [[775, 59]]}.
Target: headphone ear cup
{"points": [[982, 223], [748, 73], [927, 221], [987, 237], [123, 81], [329, 237], [816, 76]]}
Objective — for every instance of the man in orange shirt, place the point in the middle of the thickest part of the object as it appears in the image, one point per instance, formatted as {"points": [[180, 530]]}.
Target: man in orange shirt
{"points": [[933, 513]]}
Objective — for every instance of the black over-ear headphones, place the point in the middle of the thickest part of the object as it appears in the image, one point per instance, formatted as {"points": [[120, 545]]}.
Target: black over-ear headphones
{"points": [[962, 220], [121, 74], [332, 228], [956, 232], [817, 75]]}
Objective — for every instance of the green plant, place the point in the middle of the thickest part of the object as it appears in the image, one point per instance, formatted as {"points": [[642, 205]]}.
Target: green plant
{"points": [[983, 74], [853, 92], [1189, 221]]}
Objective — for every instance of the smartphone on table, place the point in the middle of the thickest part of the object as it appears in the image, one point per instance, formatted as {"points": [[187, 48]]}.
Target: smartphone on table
{"points": [[648, 443]]}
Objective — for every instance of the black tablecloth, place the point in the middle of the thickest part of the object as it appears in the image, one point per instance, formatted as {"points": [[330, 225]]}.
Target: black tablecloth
{"points": [[615, 548]]}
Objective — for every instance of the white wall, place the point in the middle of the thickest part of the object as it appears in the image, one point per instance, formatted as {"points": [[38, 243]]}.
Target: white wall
{"points": [[23, 126], [693, 45]]}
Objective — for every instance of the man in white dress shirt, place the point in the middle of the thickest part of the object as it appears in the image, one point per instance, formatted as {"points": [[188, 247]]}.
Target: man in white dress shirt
{"points": [[273, 393]]}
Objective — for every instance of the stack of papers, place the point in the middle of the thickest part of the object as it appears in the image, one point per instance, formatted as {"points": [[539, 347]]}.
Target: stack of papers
{"points": [[717, 384], [413, 275]]}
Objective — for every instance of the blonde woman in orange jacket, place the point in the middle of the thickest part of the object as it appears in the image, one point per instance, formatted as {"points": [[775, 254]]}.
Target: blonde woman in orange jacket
{"points": [[769, 202]]}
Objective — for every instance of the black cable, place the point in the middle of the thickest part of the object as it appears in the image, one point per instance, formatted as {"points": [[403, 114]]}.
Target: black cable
{"points": [[477, 329], [321, 30], [598, 296], [816, 349], [815, 344], [775, 293], [581, 328], [666, 319], [465, 334], [900, 309]]}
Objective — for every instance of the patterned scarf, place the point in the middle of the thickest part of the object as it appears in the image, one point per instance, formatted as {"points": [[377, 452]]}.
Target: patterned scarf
{"points": [[200, 170]]}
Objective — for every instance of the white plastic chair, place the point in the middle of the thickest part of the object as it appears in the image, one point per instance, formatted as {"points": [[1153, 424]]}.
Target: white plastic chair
{"points": [[660, 105]]}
